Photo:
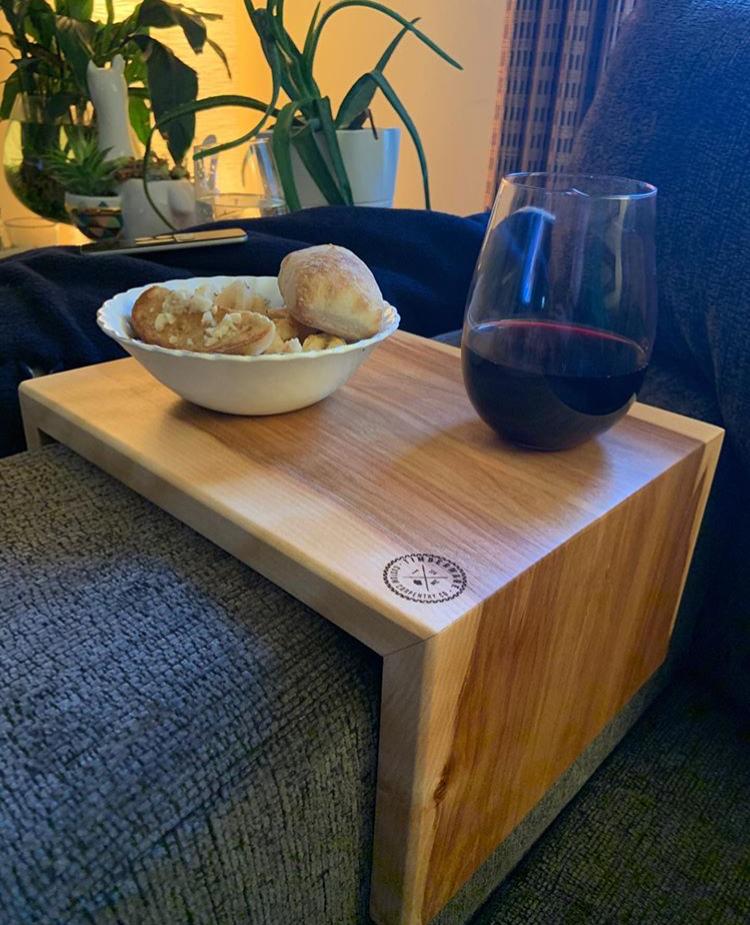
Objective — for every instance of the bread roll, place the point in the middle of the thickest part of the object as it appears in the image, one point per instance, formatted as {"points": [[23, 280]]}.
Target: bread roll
{"points": [[180, 321], [329, 288]]}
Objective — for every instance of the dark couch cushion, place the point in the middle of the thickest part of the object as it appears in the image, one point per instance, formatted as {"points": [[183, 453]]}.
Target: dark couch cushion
{"points": [[181, 740], [675, 110]]}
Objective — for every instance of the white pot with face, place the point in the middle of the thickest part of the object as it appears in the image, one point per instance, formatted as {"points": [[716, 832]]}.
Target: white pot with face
{"points": [[175, 199], [371, 164]]}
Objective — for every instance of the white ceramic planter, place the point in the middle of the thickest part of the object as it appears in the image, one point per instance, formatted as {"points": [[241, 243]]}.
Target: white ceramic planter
{"points": [[371, 164], [175, 199]]}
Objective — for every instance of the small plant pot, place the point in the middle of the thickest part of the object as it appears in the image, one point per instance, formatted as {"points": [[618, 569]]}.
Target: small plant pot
{"points": [[98, 217], [175, 199], [371, 165]]}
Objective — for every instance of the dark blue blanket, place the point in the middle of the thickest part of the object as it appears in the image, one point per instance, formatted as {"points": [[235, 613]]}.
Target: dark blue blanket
{"points": [[423, 262]]}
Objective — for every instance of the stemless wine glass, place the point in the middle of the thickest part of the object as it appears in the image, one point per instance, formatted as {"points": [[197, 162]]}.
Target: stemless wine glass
{"points": [[561, 315]]}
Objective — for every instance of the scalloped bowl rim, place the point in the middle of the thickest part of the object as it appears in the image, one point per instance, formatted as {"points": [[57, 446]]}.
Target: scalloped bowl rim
{"points": [[392, 321]]}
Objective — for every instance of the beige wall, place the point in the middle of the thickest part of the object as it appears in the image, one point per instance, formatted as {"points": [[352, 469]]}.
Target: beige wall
{"points": [[452, 109]]}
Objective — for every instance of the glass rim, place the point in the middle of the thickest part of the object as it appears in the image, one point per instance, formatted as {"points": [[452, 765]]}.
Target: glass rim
{"points": [[643, 189]]}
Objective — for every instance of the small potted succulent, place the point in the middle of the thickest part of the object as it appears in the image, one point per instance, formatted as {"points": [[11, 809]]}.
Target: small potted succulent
{"points": [[322, 156], [166, 202], [89, 180]]}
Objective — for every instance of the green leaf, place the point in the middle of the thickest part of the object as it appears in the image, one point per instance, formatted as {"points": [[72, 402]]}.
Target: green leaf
{"points": [[334, 152], [42, 54], [38, 20], [80, 9], [10, 91], [310, 36], [299, 65], [59, 105], [171, 83], [309, 152], [220, 53], [263, 25], [76, 43], [357, 101], [281, 144], [378, 7], [140, 117], [208, 17], [135, 69], [161, 15], [214, 102], [390, 94], [282, 36]]}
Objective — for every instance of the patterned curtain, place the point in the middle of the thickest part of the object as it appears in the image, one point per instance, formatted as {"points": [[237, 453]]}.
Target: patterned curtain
{"points": [[553, 56]]}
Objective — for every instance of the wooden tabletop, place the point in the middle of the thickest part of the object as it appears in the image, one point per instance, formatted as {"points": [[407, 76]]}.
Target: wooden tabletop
{"points": [[573, 564], [395, 462]]}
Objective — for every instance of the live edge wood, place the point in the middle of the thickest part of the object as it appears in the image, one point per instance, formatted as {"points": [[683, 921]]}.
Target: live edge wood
{"points": [[575, 564]]}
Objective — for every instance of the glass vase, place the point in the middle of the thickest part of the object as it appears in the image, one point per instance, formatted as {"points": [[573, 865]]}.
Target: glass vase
{"points": [[36, 127]]}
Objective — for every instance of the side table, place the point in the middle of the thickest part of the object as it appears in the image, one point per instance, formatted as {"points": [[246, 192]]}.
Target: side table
{"points": [[519, 600]]}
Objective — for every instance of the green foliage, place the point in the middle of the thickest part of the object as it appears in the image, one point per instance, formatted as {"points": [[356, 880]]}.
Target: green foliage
{"points": [[84, 170], [52, 44], [305, 122]]}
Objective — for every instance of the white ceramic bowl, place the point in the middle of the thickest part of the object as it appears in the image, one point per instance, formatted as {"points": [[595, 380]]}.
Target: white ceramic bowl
{"points": [[269, 384]]}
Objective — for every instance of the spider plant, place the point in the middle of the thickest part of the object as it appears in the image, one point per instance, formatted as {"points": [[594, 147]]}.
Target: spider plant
{"points": [[299, 114]]}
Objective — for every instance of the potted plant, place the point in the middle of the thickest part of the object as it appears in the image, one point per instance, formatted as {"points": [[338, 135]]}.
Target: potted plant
{"points": [[90, 183], [47, 96], [167, 202], [322, 156]]}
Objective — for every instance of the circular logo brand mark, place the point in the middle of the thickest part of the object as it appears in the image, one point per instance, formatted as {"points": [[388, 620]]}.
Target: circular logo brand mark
{"points": [[425, 577]]}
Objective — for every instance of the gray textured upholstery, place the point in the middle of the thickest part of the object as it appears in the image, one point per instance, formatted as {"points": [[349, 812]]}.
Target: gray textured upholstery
{"points": [[659, 836], [674, 109], [181, 741]]}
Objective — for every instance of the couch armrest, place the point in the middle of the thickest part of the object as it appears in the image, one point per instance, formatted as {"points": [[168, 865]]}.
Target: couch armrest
{"points": [[451, 337], [180, 735]]}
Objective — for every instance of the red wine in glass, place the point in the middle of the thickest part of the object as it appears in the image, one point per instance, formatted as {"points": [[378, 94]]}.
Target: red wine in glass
{"points": [[561, 314], [550, 385]]}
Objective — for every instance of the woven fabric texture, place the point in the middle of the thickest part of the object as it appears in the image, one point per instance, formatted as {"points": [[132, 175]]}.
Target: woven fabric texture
{"points": [[181, 740], [658, 835]]}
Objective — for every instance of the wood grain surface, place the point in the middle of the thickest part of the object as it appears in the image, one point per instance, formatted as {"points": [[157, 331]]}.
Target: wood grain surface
{"points": [[480, 720], [575, 563]]}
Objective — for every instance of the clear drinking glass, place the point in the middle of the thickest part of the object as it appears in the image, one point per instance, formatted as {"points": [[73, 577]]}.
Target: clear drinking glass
{"points": [[238, 184], [561, 314]]}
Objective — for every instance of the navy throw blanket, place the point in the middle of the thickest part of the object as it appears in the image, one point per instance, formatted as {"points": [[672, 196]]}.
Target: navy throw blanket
{"points": [[423, 262]]}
